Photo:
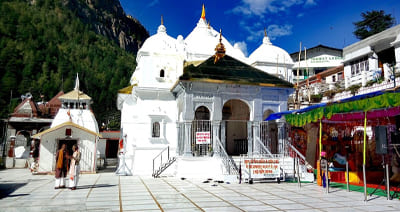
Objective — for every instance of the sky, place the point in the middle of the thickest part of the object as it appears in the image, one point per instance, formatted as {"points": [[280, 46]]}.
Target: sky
{"points": [[288, 22]]}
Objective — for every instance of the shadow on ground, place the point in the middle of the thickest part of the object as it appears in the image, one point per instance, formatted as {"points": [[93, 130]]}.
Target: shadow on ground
{"points": [[6, 189], [94, 186]]}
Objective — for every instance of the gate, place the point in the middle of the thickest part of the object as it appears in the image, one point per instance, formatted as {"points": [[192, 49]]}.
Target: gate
{"points": [[202, 138], [273, 135]]}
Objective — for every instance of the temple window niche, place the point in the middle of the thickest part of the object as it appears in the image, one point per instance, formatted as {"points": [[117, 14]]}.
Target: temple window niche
{"points": [[162, 73], [155, 132], [157, 128], [161, 76]]}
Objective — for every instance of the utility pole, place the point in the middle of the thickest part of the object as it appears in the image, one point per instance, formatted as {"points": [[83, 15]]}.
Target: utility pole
{"points": [[297, 103]]}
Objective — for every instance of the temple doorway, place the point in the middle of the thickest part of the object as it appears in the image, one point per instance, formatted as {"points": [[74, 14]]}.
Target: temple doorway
{"points": [[236, 115], [69, 143], [201, 132]]}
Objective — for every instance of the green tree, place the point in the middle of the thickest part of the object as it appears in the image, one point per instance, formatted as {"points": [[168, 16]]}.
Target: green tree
{"points": [[373, 22], [44, 45]]}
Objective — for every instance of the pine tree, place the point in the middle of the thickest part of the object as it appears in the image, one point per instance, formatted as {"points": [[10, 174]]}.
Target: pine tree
{"points": [[373, 22]]}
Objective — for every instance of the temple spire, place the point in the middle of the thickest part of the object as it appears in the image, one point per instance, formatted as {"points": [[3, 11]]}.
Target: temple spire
{"points": [[220, 49], [266, 38], [161, 28], [203, 13], [77, 82]]}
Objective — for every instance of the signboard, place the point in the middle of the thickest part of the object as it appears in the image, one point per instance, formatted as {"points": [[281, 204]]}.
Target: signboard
{"points": [[203, 137], [262, 167]]}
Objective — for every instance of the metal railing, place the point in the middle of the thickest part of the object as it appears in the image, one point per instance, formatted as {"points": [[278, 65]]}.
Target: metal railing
{"points": [[263, 148], [299, 155], [226, 160], [160, 155]]}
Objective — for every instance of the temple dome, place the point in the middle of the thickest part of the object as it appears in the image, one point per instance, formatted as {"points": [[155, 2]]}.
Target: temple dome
{"points": [[161, 42], [202, 40], [268, 53]]}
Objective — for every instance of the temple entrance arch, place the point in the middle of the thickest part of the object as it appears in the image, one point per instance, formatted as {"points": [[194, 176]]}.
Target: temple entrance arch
{"points": [[236, 114], [201, 132], [269, 132], [202, 113]]}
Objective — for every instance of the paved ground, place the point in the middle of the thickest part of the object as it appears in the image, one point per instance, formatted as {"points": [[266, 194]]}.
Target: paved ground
{"points": [[21, 191]]}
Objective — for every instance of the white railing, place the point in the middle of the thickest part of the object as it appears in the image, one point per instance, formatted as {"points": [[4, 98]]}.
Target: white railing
{"points": [[226, 160], [263, 149], [299, 155]]}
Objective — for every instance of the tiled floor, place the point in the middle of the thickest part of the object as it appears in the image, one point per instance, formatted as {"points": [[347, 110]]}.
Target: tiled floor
{"points": [[21, 191]]}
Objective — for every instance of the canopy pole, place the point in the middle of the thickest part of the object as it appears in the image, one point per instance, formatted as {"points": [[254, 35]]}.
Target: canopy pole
{"points": [[320, 137], [364, 156]]}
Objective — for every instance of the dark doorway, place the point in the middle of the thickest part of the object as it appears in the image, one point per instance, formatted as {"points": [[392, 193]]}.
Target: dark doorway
{"points": [[111, 148], [236, 113], [68, 142]]}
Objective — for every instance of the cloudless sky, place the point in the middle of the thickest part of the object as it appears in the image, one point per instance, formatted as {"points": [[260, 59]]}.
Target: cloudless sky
{"points": [[288, 22]]}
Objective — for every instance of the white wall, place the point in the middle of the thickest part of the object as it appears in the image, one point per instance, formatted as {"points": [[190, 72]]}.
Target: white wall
{"points": [[48, 148]]}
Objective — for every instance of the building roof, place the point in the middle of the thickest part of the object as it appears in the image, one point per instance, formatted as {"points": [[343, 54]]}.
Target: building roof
{"points": [[26, 108], [68, 123], [296, 54], [325, 73], [126, 90], [75, 95], [373, 42], [230, 70]]}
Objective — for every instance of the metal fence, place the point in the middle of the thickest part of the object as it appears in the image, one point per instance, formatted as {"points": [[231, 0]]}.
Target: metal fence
{"points": [[197, 148]]}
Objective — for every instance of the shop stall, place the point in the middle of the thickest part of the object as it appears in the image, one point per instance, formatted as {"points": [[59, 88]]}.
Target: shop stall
{"points": [[359, 132]]}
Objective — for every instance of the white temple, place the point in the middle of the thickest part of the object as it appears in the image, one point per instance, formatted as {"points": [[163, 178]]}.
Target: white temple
{"points": [[74, 123], [182, 88]]}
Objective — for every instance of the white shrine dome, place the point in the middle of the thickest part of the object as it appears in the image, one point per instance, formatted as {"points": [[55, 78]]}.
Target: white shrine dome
{"points": [[268, 53], [201, 43], [160, 42]]}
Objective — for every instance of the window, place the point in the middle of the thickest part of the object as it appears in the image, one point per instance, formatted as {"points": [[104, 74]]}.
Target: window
{"points": [[333, 78], [358, 66], [155, 132], [162, 73]]}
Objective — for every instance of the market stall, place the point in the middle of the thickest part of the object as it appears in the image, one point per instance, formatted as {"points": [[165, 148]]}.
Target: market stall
{"points": [[360, 130]]}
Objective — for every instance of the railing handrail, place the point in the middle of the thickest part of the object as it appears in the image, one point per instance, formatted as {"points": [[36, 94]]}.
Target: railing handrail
{"points": [[299, 154], [263, 146], [160, 154], [224, 155]]}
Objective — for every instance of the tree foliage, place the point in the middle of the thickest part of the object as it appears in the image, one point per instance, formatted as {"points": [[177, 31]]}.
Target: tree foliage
{"points": [[44, 45], [372, 22]]}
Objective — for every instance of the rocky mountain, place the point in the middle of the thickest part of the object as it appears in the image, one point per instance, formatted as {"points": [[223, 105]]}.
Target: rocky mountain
{"points": [[45, 43], [108, 18]]}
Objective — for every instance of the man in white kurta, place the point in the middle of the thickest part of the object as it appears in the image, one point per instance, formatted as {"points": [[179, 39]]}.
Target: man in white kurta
{"points": [[74, 168]]}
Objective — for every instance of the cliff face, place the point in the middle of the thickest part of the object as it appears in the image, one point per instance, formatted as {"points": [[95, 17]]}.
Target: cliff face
{"points": [[107, 17]]}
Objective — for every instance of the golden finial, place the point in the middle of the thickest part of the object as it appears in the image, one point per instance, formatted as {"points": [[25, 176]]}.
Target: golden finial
{"points": [[162, 20], [209, 24], [265, 32], [203, 13], [220, 49]]}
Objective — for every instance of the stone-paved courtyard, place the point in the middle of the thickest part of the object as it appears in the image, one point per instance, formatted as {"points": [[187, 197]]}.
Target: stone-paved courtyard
{"points": [[22, 191]]}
